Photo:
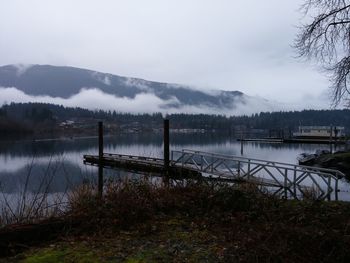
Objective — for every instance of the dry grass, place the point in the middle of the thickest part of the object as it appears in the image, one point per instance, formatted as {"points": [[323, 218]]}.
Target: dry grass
{"points": [[128, 202], [196, 221]]}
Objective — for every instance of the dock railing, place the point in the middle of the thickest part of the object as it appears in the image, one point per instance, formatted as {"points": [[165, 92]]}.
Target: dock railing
{"points": [[290, 179]]}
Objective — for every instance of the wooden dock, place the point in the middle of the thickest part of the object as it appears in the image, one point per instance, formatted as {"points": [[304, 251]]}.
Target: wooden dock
{"points": [[141, 164], [289, 180]]}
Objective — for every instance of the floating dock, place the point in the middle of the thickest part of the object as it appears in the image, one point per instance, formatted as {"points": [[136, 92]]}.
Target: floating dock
{"points": [[281, 140], [140, 164], [289, 180]]}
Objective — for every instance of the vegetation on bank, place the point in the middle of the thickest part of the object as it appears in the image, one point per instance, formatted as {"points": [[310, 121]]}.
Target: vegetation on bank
{"points": [[138, 221]]}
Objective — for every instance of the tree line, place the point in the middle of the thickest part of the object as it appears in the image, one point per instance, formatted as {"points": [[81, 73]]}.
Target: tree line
{"points": [[32, 113]]}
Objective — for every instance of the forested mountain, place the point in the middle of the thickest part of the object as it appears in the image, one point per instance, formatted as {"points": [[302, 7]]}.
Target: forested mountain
{"points": [[53, 114], [58, 113], [265, 120], [64, 82]]}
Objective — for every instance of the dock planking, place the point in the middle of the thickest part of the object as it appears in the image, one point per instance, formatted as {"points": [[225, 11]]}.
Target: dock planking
{"points": [[141, 164]]}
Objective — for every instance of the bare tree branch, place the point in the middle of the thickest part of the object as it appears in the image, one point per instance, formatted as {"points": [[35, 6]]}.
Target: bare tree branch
{"points": [[327, 40]]}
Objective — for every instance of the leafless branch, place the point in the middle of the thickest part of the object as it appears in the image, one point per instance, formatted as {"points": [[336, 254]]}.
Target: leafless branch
{"points": [[327, 39]]}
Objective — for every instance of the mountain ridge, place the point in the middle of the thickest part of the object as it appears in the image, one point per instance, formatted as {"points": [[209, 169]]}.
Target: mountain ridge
{"points": [[65, 82]]}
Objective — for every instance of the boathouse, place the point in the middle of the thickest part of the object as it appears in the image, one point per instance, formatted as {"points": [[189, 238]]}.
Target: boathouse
{"points": [[319, 132]]}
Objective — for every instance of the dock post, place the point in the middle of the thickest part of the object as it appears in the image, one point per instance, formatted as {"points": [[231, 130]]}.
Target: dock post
{"points": [[241, 143], [330, 140], [166, 145], [285, 183], [100, 157], [329, 187], [336, 188]]}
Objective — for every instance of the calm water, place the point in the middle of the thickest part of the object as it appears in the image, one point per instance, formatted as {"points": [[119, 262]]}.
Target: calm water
{"points": [[59, 162]]}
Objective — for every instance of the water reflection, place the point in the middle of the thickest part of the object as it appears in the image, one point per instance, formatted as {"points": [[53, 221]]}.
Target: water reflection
{"points": [[60, 161]]}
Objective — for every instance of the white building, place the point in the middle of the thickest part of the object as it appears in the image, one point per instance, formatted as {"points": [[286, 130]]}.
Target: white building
{"points": [[323, 132]]}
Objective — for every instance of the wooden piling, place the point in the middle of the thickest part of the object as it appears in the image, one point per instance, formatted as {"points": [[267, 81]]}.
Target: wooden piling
{"points": [[336, 188], [166, 145], [330, 140], [285, 184], [100, 155]]}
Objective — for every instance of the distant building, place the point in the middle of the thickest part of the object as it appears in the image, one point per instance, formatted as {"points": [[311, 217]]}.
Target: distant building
{"points": [[319, 132], [67, 123]]}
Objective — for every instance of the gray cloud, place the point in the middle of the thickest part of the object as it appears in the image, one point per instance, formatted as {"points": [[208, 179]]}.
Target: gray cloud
{"points": [[231, 45]]}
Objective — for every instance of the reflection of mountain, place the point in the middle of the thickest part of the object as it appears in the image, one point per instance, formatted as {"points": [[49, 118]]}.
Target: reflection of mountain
{"points": [[55, 147], [136, 140], [68, 170], [58, 177], [52, 177], [65, 82]]}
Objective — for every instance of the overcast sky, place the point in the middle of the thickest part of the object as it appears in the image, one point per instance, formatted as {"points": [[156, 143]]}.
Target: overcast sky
{"points": [[224, 44]]}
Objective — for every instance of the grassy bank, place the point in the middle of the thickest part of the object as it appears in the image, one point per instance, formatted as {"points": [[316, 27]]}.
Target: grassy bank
{"points": [[195, 222]]}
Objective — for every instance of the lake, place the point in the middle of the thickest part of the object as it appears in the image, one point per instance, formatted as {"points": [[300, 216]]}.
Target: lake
{"points": [[59, 163]]}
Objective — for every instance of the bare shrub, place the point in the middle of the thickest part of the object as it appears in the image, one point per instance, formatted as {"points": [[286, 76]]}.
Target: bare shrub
{"points": [[27, 206]]}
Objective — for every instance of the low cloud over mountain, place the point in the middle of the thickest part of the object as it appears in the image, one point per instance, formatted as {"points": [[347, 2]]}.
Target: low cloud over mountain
{"points": [[72, 87]]}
